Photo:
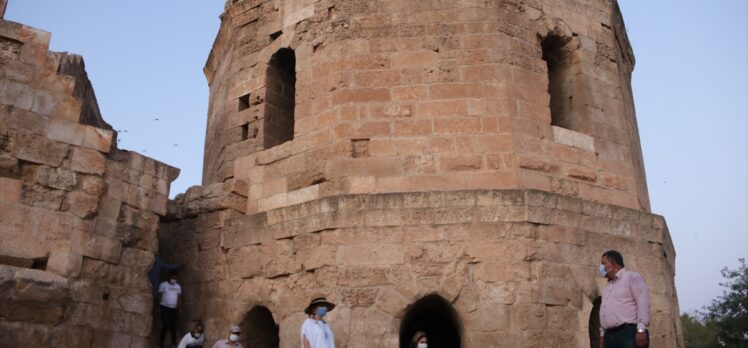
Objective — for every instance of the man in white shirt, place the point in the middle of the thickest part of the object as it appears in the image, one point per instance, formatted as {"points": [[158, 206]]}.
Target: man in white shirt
{"points": [[169, 293], [232, 341], [315, 332], [624, 311], [195, 338]]}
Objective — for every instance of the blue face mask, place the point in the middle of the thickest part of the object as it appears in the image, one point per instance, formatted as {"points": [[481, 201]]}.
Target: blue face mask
{"points": [[602, 271], [321, 312]]}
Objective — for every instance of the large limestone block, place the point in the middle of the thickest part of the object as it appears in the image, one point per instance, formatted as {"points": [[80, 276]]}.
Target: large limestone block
{"points": [[39, 286], [98, 139], [10, 190], [42, 197], [81, 204], [74, 133], [58, 178], [96, 246], [88, 161], [32, 296], [63, 261], [16, 94], [16, 241], [24, 120], [38, 149]]}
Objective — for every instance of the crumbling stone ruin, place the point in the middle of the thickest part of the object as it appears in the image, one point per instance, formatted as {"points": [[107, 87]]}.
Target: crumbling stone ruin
{"points": [[456, 165], [78, 216]]}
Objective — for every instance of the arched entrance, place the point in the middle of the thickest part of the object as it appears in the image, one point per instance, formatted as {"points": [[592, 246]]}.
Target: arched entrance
{"points": [[594, 323], [435, 316], [259, 330]]}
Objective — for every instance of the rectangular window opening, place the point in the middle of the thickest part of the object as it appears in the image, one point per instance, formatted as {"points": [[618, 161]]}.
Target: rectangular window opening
{"points": [[245, 131], [244, 102]]}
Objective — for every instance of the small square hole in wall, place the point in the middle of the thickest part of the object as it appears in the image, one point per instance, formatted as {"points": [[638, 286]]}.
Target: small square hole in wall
{"points": [[244, 102], [40, 263], [245, 131], [360, 147]]}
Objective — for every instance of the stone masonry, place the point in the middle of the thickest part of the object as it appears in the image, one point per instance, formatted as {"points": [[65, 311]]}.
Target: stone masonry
{"points": [[451, 166], [78, 216]]}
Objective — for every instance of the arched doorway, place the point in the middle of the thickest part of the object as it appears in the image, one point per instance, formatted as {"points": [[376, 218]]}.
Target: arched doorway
{"points": [[436, 317], [259, 330], [594, 323]]}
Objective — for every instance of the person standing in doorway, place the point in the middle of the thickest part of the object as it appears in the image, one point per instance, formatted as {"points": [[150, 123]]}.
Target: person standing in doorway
{"points": [[170, 293], [154, 276], [624, 311], [315, 332], [419, 340]]}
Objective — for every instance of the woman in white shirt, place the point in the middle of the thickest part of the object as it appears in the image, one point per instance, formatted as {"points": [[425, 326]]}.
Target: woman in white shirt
{"points": [[315, 332]]}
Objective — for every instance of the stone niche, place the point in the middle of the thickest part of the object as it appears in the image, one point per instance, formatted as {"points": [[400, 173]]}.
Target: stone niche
{"points": [[78, 216]]}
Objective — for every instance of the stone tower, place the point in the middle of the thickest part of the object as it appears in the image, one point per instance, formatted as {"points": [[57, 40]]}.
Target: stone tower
{"points": [[456, 167]]}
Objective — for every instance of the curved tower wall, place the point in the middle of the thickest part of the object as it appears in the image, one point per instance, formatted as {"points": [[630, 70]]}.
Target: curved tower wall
{"points": [[463, 160], [434, 95]]}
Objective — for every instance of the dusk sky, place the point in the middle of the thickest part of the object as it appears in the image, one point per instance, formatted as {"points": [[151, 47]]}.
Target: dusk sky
{"points": [[145, 60]]}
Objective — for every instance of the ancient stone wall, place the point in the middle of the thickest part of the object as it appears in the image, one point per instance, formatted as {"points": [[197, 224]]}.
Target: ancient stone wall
{"points": [[78, 216], [519, 266], [456, 167]]}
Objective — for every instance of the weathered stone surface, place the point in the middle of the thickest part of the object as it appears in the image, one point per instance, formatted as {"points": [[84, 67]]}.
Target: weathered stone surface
{"points": [[58, 178], [42, 197], [38, 149], [81, 204], [10, 190], [533, 277], [88, 161], [97, 247], [430, 162], [63, 261], [66, 195]]}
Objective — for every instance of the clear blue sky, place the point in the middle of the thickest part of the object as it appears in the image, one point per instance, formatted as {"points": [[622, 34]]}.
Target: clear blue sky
{"points": [[145, 60]]}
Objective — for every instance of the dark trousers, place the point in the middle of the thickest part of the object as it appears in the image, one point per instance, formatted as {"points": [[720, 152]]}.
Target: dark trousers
{"points": [[621, 337], [168, 322]]}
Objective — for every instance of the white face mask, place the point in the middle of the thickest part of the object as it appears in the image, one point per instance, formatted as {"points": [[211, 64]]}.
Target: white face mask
{"points": [[233, 337], [423, 345], [172, 281], [197, 335]]}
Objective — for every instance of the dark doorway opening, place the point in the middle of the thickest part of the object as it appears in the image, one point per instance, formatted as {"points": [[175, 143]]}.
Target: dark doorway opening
{"points": [[280, 98], [259, 330], [561, 78], [594, 325], [436, 317]]}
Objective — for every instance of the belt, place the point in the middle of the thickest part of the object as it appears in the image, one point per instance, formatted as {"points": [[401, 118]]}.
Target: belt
{"points": [[619, 328]]}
